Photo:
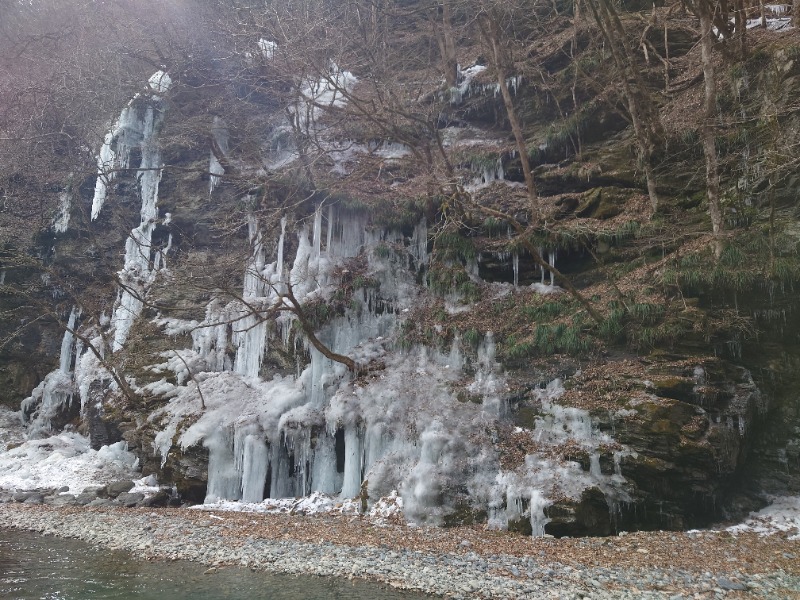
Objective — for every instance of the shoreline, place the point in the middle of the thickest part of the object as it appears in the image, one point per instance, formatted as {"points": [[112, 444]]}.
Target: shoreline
{"points": [[463, 562]]}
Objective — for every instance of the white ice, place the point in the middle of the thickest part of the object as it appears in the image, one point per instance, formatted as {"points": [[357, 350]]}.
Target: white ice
{"points": [[65, 459]]}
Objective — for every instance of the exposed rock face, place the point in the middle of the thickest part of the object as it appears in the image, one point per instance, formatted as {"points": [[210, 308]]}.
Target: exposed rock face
{"points": [[476, 385], [691, 442]]}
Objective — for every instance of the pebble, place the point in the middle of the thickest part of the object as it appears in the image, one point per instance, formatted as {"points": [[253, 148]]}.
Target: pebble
{"points": [[170, 536]]}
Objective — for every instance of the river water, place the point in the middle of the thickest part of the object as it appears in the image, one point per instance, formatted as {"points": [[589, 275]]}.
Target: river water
{"points": [[35, 567]]}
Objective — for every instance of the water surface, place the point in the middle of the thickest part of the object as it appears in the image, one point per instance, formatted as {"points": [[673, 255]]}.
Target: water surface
{"points": [[35, 567]]}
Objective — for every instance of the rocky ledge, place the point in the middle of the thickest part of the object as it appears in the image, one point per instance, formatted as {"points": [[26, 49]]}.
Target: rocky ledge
{"points": [[462, 562]]}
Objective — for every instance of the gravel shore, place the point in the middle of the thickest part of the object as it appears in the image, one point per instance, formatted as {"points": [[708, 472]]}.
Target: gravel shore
{"points": [[455, 563]]}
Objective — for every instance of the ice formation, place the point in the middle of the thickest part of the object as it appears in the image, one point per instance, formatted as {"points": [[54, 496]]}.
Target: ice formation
{"points": [[61, 221], [322, 93], [65, 459], [781, 517], [267, 48], [136, 128], [55, 393], [466, 86], [219, 132], [321, 432]]}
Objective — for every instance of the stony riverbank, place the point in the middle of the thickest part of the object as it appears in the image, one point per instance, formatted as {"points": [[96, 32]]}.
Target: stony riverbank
{"points": [[456, 563]]}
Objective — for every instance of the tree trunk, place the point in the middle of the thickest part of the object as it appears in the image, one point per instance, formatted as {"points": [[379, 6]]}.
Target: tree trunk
{"points": [[312, 337], [607, 19], [709, 119], [447, 45], [740, 27], [492, 35]]}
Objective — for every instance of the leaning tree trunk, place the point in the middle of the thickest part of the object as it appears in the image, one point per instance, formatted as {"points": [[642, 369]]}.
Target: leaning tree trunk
{"points": [[614, 33], [709, 120], [492, 35]]}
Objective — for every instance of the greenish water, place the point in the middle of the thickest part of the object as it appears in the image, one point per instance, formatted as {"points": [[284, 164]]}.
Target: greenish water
{"points": [[47, 568]]}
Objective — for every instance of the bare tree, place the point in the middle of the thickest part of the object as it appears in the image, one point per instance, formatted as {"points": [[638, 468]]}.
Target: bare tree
{"points": [[642, 114], [705, 10]]}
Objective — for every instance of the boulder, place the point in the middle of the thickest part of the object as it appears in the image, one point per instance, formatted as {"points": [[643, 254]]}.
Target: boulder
{"points": [[161, 498], [118, 487], [86, 497], [130, 500], [100, 502], [62, 500]]}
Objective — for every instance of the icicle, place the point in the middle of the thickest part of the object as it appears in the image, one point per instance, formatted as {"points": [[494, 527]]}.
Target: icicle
{"points": [[541, 268], [113, 155], [136, 273], [65, 358], [255, 464], [281, 482], [376, 444], [353, 456], [594, 465], [538, 518], [253, 281], [219, 132], [317, 235], [515, 261], [324, 477], [552, 262], [49, 399], [419, 243], [224, 479], [330, 231], [280, 248]]}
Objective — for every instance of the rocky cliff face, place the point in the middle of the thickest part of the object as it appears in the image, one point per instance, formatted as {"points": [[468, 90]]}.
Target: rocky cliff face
{"points": [[286, 303]]}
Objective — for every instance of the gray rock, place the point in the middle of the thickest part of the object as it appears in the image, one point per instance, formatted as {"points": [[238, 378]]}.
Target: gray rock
{"points": [[34, 498], [85, 498], [118, 487], [160, 498], [21, 496], [100, 502], [62, 500], [727, 584], [129, 500]]}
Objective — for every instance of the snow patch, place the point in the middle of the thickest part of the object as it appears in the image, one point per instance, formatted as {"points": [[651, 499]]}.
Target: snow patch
{"points": [[782, 516], [62, 460]]}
